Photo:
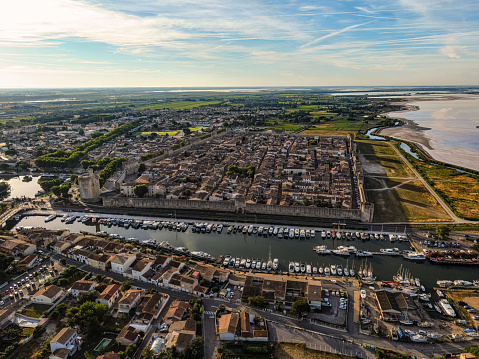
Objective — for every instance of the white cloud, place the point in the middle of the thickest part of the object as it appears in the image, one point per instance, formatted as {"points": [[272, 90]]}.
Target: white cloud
{"points": [[334, 33], [451, 51]]}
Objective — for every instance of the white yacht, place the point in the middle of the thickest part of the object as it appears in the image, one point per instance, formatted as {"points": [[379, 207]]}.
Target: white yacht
{"points": [[390, 251], [291, 267], [303, 268], [308, 269], [275, 264], [414, 256], [296, 267], [291, 233], [327, 271], [333, 269], [322, 249]]}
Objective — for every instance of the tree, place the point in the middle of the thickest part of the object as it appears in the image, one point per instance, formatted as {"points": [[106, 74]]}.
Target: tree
{"points": [[63, 261], [142, 167], [126, 285], [300, 307], [195, 350], [88, 296], [56, 191], [81, 132], [140, 190], [257, 301], [442, 231], [147, 353], [187, 192]]}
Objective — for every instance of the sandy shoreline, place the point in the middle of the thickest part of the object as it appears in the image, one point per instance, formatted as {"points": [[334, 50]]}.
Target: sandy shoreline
{"points": [[411, 131]]}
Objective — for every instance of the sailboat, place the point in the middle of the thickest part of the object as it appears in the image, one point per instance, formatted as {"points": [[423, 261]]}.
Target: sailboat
{"points": [[351, 271], [346, 270], [269, 265]]}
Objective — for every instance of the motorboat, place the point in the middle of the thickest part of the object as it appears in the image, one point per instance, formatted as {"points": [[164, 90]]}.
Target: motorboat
{"points": [[390, 251], [291, 267]]}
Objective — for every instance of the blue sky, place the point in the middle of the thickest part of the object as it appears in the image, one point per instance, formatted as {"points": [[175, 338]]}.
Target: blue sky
{"points": [[180, 43]]}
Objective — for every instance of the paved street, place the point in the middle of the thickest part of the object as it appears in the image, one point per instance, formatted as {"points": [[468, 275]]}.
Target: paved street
{"points": [[292, 329]]}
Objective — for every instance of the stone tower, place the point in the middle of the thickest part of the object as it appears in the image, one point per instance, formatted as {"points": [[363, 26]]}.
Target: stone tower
{"points": [[89, 185]]}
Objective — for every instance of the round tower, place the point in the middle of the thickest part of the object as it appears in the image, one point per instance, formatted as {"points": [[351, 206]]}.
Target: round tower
{"points": [[89, 185]]}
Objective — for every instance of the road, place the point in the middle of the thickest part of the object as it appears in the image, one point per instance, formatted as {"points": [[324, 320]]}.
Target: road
{"points": [[439, 200], [281, 327]]}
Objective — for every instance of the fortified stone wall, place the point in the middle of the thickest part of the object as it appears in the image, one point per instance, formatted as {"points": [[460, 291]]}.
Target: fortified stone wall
{"points": [[363, 214]]}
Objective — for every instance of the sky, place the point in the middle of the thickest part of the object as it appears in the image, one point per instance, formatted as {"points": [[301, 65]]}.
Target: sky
{"points": [[238, 43]]}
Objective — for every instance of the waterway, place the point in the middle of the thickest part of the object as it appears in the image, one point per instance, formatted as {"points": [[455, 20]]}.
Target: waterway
{"points": [[19, 188], [286, 250]]}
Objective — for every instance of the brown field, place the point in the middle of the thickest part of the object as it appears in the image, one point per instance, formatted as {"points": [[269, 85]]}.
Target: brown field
{"points": [[389, 184], [418, 204], [461, 189]]}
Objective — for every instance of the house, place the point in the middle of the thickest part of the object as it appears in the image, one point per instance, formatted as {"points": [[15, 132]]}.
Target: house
{"points": [[129, 300], [61, 353], [6, 317], [211, 273], [127, 336], [179, 340], [66, 339], [148, 310], [28, 262], [176, 312], [314, 296], [99, 261], [47, 295], [121, 262], [82, 286], [16, 247], [109, 296], [200, 290], [61, 246], [140, 268], [227, 326]]}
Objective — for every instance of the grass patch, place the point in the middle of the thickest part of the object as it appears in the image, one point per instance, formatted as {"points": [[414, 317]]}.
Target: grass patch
{"points": [[296, 351], [35, 310]]}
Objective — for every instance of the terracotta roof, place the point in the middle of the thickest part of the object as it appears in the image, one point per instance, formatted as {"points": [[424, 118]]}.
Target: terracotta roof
{"points": [[83, 285], [109, 291], [129, 333], [63, 336], [130, 296], [61, 353], [228, 323], [48, 292]]}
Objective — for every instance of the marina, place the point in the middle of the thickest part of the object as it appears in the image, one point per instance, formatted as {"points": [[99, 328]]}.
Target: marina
{"points": [[201, 240]]}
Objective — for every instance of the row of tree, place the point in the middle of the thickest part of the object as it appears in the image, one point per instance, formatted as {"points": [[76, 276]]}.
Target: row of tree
{"points": [[67, 159]]}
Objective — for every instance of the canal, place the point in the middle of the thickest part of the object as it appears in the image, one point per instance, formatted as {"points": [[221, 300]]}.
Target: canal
{"points": [[286, 250]]}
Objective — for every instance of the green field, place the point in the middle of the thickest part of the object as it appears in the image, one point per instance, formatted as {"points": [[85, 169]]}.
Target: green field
{"points": [[197, 128], [177, 105], [169, 133]]}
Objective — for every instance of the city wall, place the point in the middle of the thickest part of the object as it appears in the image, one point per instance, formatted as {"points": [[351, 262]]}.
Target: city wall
{"points": [[364, 214]]}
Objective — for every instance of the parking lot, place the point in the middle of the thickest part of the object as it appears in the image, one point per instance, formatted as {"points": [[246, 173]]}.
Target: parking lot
{"points": [[27, 284], [334, 307]]}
